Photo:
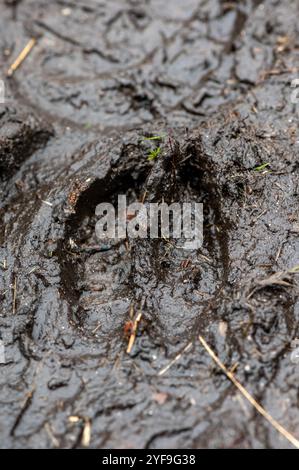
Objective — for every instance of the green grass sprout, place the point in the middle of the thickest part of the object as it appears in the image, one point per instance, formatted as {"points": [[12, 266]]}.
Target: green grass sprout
{"points": [[154, 137], [154, 153], [261, 167]]}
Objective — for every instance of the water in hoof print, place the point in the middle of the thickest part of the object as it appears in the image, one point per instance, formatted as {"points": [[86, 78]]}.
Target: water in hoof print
{"points": [[149, 222]]}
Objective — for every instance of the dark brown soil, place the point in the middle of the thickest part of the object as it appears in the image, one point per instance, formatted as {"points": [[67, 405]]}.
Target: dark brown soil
{"points": [[214, 78]]}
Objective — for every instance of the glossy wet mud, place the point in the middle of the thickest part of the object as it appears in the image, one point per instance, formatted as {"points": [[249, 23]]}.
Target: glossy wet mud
{"points": [[213, 78]]}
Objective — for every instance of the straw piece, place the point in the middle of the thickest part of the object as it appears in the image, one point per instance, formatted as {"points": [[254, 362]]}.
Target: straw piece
{"points": [[21, 57], [247, 395]]}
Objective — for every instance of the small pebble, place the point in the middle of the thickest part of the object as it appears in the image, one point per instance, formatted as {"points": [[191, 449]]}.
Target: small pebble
{"points": [[66, 12], [222, 329]]}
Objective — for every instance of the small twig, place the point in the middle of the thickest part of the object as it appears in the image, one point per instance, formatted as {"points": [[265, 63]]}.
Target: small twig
{"points": [[86, 431], [268, 73], [47, 203], [205, 258], [234, 367], [135, 328], [32, 270], [134, 332], [177, 358], [143, 197], [280, 278], [249, 397], [96, 328], [21, 57], [260, 215], [27, 402], [86, 435], [131, 312]]}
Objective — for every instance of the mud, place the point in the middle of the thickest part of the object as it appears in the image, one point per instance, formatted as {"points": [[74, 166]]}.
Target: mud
{"points": [[214, 79]]}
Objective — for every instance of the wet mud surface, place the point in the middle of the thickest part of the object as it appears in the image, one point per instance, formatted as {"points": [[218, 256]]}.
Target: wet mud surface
{"points": [[213, 78]]}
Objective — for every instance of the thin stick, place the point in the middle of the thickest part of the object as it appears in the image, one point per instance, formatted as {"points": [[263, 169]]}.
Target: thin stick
{"points": [[143, 197], [177, 358], [247, 395], [21, 57], [131, 313], [96, 328], [133, 335], [135, 327], [24, 408], [86, 435]]}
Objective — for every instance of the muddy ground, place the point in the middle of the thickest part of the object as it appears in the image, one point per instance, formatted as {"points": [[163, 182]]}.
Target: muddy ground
{"points": [[213, 77]]}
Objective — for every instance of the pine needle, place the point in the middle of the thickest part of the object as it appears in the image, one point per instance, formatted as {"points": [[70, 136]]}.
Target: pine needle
{"points": [[177, 358]]}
